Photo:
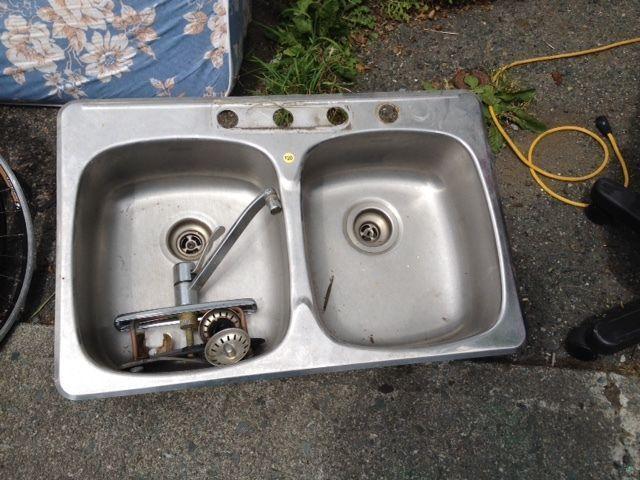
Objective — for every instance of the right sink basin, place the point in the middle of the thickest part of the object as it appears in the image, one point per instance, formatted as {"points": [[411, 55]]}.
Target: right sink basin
{"points": [[399, 239]]}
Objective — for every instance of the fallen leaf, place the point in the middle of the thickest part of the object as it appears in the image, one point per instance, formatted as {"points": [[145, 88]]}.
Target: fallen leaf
{"points": [[359, 38], [458, 80], [481, 75], [460, 84], [557, 78]]}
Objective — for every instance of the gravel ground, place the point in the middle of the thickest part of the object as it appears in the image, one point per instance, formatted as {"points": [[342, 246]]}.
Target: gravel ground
{"points": [[472, 419]]}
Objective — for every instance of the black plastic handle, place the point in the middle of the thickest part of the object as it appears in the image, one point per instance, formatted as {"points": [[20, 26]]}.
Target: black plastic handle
{"points": [[613, 202], [613, 334], [618, 330]]}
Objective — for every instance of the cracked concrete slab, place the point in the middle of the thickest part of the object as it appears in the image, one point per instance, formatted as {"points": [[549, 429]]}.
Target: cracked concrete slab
{"points": [[478, 420]]}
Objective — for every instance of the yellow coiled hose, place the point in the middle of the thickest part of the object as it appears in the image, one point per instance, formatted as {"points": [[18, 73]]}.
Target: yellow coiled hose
{"points": [[528, 160]]}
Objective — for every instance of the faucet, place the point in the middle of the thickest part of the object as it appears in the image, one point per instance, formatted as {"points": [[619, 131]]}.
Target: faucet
{"points": [[189, 278]]}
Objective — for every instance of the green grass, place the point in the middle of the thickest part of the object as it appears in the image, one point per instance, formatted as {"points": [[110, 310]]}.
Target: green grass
{"points": [[314, 52], [313, 48], [403, 10]]}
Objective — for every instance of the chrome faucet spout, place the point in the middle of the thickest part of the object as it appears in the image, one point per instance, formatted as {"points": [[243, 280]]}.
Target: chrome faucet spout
{"points": [[268, 198]]}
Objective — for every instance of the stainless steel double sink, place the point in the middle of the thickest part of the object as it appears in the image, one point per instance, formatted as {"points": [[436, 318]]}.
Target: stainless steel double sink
{"points": [[390, 248]]}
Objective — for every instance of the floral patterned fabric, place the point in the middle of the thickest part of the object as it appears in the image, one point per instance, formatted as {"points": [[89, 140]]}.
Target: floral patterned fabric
{"points": [[54, 51]]}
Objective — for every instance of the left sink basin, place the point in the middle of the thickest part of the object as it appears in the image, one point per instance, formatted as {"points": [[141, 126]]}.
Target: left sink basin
{"points": [[145, 206]]}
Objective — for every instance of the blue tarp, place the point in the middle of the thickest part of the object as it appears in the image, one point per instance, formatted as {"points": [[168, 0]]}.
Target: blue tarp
{"points": [[54, 51]]}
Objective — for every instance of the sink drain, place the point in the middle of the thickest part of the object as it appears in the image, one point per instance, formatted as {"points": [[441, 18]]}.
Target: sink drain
{"points": [[190, 243], [187, 238], [369, 232], [372, 227]]}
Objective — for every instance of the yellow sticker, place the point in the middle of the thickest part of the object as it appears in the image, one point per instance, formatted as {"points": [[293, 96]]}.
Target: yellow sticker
{"points": [[289, 157]]}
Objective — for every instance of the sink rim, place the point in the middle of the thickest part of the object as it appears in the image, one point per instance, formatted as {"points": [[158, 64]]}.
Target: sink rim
{"points": [[198, 121]]}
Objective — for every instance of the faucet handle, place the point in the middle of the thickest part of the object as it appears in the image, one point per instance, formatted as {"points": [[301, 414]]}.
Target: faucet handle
{"points": [[217, 233]]}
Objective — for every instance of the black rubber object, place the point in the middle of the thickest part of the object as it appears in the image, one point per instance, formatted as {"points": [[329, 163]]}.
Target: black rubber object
{"points": [[613, 333], [602, 124], [612, 201], [578, 343]]}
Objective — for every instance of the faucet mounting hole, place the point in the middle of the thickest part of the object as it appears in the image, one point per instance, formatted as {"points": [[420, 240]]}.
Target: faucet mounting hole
{"points": [[227, 119], [388, 113], [337, 116], [283, 118]]}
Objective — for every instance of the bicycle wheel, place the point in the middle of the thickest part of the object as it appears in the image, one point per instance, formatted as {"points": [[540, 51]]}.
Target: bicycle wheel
{"points": [[17, 249]]}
